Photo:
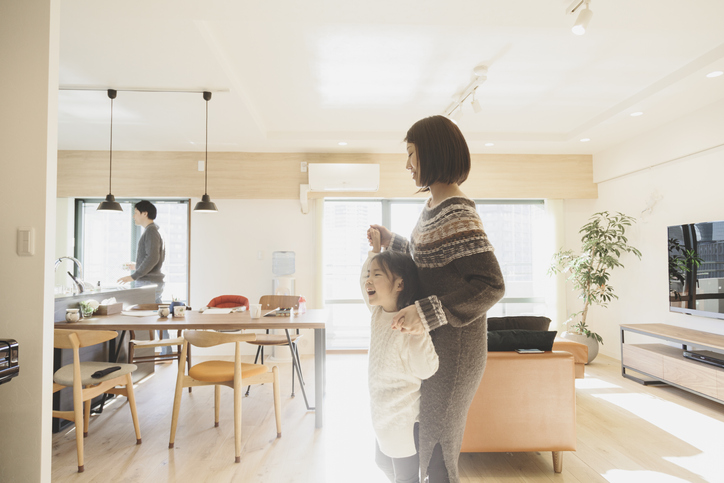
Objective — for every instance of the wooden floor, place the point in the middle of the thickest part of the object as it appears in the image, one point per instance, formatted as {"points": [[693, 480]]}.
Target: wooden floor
{"points": [[627, 433]]}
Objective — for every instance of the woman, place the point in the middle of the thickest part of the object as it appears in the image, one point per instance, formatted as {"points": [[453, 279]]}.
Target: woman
{"points": [[460, 280]]}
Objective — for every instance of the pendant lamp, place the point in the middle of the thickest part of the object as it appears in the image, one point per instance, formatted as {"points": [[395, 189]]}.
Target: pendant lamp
{"points": [[110, 204], [206, 205]]}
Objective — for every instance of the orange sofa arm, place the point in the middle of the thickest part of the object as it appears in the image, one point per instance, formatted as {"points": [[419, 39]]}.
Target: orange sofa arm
{"points": [[579, 351], [525, 402]]}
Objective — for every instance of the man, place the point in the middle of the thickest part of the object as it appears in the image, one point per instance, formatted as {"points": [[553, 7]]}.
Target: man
{"points": [[151, 252], [149, 257]]}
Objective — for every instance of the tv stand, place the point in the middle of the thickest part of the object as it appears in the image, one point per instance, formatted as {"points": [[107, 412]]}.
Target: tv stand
{"points": [[666, 364]]}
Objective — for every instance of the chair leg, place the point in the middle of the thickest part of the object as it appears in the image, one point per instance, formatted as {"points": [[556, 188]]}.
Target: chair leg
{"points": [[78, 410], [132, 403], [188, 360], [217, 403], [294, 364], [256, 358], [277, 402], [86, 417], [131, 350], [237, 417], [176, 409]]}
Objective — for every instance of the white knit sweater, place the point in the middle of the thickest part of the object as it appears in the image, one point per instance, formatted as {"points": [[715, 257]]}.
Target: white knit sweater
{"points": [[397, 365]]}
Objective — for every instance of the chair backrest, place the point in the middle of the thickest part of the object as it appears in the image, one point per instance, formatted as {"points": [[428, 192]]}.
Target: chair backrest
{"points": [[202, 338], [282, 301], [229, 301], [63, 338]]}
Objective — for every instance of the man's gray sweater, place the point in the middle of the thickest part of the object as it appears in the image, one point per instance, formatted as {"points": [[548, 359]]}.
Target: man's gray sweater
{"points": [[150, 256]]}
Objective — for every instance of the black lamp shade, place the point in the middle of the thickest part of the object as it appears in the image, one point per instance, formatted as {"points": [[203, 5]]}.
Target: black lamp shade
{"points": [[206, 205], [110, 204]]}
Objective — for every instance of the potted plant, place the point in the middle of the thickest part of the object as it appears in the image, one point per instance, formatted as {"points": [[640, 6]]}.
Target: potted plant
{"points": [[603, 242]]}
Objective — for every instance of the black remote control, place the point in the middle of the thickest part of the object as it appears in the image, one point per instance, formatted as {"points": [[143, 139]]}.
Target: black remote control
{"points": [[105, 372]]}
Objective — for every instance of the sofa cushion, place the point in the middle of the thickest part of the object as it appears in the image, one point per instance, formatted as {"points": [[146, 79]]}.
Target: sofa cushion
{"points": [[527, 322], [512, 339]]}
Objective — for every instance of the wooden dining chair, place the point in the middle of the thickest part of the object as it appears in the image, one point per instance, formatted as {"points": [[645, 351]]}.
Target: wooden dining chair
{"points": [[223, 373], [269, 302], [78, 375], [152, 343]]}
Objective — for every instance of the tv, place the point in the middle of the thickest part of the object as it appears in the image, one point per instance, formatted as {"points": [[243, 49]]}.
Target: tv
{"points": [[696, 269]]}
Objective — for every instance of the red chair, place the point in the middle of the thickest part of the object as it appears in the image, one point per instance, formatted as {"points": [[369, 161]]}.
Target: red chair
{"points": [[229, 301]]}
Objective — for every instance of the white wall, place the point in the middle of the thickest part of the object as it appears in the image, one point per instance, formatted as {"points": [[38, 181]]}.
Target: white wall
{"points": [[681, 165], [28, 159], [225, 248]]}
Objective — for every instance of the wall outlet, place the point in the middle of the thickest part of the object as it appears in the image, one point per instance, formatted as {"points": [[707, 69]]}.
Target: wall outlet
{"points": [[201, 165], [304, 166]]}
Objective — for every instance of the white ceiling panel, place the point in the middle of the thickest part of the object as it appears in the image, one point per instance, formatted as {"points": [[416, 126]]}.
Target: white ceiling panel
{"points": [[303, 76]]}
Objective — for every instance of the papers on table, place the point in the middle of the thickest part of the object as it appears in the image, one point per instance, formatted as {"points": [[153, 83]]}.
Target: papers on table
{"points": [[215, 311], [139, 313]]}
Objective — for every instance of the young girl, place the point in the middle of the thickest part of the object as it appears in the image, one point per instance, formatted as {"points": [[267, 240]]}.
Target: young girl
{"points": [[397, 362]]}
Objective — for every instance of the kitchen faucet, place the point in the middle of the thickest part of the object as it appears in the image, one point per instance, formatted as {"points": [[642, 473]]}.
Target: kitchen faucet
{"points": [[79, 286]]}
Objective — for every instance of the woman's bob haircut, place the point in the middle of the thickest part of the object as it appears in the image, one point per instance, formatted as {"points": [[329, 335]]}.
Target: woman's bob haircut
{"points": [[442, 153]]}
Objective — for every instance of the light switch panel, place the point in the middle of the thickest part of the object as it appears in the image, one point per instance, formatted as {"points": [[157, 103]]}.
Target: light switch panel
{"points": [[26, 241]]}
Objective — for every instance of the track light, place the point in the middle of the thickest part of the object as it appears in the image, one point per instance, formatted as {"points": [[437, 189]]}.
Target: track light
{"points": [[455, 110], [476, 105], [584, 16], [582, 23]]}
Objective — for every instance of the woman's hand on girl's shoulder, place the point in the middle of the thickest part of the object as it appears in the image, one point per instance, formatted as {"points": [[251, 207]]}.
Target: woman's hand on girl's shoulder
{"points": [[408, 321], [385, 235]]}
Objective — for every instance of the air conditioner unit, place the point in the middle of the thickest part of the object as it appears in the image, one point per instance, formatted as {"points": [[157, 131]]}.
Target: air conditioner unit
{"points": [[344, 177]]}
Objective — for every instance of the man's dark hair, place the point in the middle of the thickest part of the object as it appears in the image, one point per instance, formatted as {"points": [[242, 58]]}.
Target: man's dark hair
{"points": [[442, 153], [396, 264], [147, 207]]}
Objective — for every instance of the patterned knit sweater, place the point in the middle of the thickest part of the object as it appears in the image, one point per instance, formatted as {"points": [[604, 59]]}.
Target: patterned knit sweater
{"points": [[461, 280], [397, 365]]}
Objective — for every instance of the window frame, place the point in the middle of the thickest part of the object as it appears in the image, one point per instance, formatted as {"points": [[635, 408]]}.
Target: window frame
{"points": [[386, 205], [135, 231]]}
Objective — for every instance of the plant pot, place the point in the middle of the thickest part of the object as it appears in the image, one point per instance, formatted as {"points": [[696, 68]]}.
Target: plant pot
{"points": [[582, 339]]}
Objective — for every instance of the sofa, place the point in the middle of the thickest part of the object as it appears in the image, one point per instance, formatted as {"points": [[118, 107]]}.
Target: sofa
{"points": [[526, 402]]}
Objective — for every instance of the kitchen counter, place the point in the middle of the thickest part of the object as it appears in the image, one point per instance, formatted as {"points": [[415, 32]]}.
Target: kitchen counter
{"points": [[129, 296]]}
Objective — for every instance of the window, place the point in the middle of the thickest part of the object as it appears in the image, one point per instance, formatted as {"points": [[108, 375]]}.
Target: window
{"points": [[345, 250], [515, 228], [107, 240]]}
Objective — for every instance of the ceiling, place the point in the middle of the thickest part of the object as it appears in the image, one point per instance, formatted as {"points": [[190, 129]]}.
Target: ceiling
{"points": [[303, 76]]}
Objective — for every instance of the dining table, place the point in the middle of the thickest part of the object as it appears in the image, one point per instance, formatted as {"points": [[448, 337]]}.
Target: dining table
{"points": [[315, 319]]}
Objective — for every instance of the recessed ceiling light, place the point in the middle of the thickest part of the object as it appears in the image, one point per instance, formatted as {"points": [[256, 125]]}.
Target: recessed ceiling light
{"points": [[585, 140], [342, 143], [636, 114], [716, 73], [490, 144]]}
